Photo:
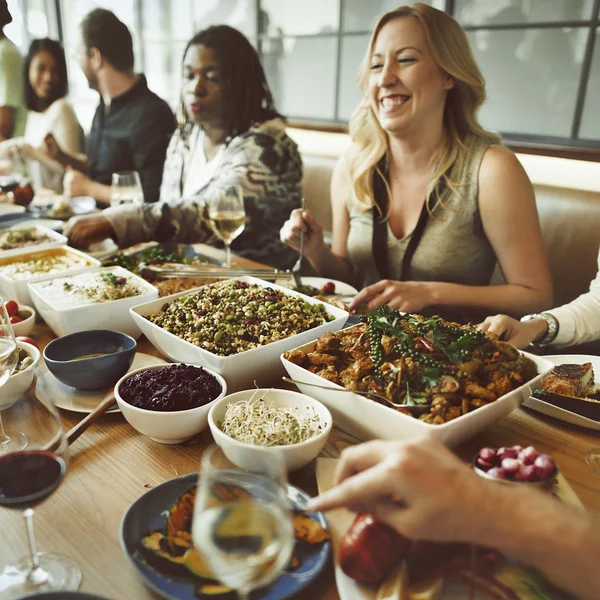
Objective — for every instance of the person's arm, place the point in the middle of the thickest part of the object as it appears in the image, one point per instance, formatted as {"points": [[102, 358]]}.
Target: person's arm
{"points": [[66, 128], [578, 322], [447, 501], [511, 224], [51, 148], [75, 183], [7, 122], [327, 262]]}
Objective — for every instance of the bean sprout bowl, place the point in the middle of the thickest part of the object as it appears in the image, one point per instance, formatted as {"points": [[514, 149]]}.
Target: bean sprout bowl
{"points": [[516, 465], [292, 423]]}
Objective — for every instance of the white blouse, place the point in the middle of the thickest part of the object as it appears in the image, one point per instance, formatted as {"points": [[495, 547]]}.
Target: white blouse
{"points": [[579, 321]]}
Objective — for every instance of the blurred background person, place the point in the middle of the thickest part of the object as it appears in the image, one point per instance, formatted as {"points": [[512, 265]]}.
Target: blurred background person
{"points": [[132, 125], [46, 88], [575, 323], [231, 135], [12, 104], [425, 201]]}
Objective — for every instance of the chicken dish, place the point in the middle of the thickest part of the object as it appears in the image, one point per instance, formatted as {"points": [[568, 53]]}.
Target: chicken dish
{"points": [[449, 369]]}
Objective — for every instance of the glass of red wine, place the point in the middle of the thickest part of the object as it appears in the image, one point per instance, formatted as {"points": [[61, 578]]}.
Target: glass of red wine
{"points": [[27, 477]]}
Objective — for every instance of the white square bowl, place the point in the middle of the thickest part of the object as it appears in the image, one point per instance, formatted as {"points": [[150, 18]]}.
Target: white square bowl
{"points": [[241, 370], [16, 289], [114, 314], [366, 419], [54, 240]]}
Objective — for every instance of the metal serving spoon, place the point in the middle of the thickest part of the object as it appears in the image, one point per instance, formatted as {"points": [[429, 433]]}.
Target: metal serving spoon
{"points": [[371, 395]]}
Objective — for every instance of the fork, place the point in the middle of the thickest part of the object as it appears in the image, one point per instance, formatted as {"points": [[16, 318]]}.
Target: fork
{"points": [[296, 268], [371, 395]]}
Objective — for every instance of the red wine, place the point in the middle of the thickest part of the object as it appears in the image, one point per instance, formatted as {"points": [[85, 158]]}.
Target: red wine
{"points": [[27, 478]]}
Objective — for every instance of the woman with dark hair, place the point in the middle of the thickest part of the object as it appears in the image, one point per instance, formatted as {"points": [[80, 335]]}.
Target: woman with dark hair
{"points": [[46, 88], [229, 134]]}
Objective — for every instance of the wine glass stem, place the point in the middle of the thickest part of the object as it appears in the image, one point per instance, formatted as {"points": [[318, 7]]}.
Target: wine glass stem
{"points": [[244, 594], [36, 575], [228, 255], [4, 439]]}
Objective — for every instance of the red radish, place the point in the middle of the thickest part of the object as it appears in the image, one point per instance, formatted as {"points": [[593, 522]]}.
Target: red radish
{"points": [[487, 454], [15, 319], [12, 308], [496, 473], [484, 464], [528, 455]]}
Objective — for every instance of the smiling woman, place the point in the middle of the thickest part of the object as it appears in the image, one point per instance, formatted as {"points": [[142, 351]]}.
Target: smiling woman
{"points": [[426, 201], [46, 88]]}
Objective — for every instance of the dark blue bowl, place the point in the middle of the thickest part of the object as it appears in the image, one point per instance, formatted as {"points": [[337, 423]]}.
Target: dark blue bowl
{"points": [[116, 350]]}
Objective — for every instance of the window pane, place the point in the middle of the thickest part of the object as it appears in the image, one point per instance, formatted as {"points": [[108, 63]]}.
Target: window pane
{"points": [[283, 17], [163, 69], [240, 14], [354, 48], [532, 77], [360, 15], [301, 74], [590, 123], [504, 12]]}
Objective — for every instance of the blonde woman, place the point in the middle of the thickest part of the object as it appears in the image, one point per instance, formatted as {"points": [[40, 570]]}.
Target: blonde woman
{"points": [[426, 201]]}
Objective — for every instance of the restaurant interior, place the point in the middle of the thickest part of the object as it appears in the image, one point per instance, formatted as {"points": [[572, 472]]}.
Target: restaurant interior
{"points": [[290, 308]]}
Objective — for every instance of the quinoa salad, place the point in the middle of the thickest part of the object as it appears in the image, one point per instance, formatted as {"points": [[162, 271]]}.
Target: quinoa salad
{"points": [[236, 316]]}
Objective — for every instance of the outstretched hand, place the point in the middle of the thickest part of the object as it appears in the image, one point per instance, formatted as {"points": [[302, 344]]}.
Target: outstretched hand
{"points": [[419, 488], [406, 296], [88, 229], [510, 330]]}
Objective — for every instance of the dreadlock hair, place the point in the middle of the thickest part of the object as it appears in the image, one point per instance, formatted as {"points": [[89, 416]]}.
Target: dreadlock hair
{"points": [[247, 98]]}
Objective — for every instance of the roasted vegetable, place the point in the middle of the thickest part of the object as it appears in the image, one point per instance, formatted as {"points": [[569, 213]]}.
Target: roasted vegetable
{"points": [[370, 550], [308, 530], [181, 514], [166, 554]]}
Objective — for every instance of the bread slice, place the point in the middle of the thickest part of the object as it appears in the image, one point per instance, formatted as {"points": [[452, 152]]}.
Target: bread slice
{"points": [[569, 380]]}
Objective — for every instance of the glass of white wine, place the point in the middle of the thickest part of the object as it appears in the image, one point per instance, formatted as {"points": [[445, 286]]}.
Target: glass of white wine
{"points": [[126, 188], [242, 521], [9, 354], [227, 215]]}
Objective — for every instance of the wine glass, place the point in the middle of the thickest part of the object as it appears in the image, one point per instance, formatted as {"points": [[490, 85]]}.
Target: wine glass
{"points": [[592, 459], [226, 215], [9, 354], [242, 523], [27, 478], [126, 188]]}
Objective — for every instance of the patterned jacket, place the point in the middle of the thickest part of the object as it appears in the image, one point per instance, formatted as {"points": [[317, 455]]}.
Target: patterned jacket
{"points": [[264, 161]]}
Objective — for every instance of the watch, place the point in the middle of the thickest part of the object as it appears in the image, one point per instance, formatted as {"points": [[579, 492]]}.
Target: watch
{"points": [[553, 326]]}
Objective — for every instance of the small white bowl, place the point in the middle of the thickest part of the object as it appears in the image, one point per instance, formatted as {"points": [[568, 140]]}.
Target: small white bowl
{"points": [[167, 427], [18, 383], [295, 455], [25, 326]]}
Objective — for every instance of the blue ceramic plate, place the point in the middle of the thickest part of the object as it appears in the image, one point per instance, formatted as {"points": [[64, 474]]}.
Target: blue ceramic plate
{"points": [[148, 513]]}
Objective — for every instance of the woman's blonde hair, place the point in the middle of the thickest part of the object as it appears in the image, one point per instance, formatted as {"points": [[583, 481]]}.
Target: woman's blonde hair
{"points": [[451, 51]]}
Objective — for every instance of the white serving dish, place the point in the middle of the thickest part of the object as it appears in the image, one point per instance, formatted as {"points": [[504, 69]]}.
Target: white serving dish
{"points": [[55, 240], [113, 314], [296, 456], [168, 427], [17, 288], [260, 365], [367, 419]]}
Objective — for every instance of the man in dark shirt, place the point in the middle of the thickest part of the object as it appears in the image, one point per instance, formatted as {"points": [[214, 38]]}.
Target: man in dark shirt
{"points": [[132, 125]]}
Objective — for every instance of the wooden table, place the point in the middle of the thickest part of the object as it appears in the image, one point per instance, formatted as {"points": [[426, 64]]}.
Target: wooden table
{"points": [[112, 464]]}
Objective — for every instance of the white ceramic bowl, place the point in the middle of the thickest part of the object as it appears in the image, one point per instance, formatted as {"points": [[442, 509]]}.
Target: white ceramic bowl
{"points": [[295, 455], [167, 427], [260, 365], [54, 239], [367, 419], [52, 302], [11, 287], [18, 383], [25, 327]]}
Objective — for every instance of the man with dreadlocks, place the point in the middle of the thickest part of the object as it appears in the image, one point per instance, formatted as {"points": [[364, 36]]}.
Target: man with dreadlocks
{"points": [[230, 134]]}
